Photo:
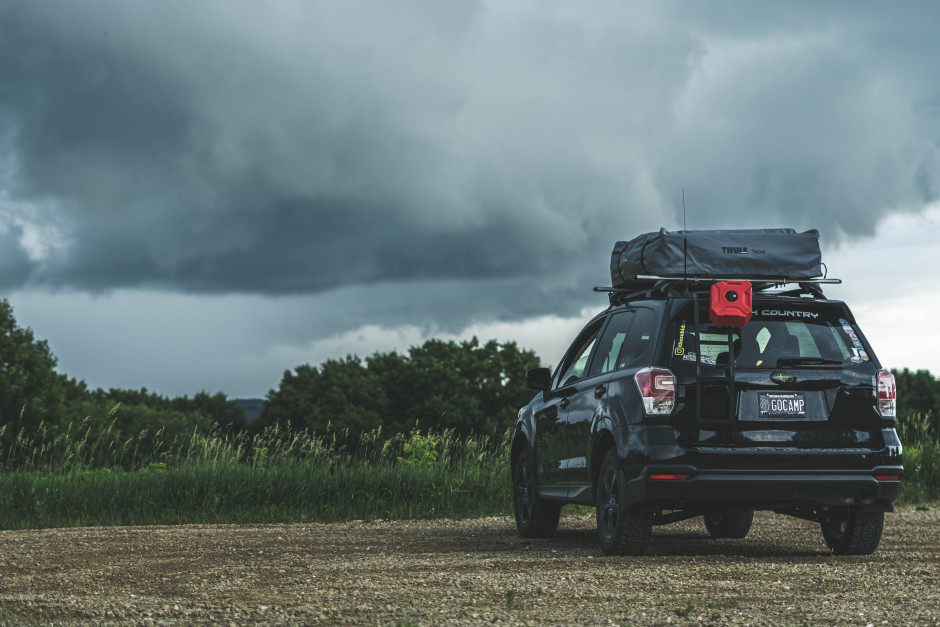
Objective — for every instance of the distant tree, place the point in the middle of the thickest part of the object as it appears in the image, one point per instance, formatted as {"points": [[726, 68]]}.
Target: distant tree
{"points": [[131, 411], [468, 387], [294, 403], [137, 419], [30, 389], [351, 396], [918, 392], [341, 393], [395, 376], [216, 407], [462, 386]]}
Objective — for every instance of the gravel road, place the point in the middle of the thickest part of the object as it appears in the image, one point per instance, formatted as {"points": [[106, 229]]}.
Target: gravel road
{"points": [[471, 571]]}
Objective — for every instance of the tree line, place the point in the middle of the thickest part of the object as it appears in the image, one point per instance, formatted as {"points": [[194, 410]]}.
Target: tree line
{"points": [[918, 392], [467, 386], [34, 396]]}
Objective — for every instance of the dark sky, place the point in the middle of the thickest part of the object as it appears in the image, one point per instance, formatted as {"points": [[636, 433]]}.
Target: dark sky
{"points": [[439, 165]]}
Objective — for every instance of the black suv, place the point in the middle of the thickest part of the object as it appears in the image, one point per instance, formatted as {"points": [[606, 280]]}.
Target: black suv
{"points": [[656, 415]]}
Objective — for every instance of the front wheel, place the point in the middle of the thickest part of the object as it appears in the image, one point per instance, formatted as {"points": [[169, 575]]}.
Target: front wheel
{"points": [[620, 532], [535, 517], [848, 531]]}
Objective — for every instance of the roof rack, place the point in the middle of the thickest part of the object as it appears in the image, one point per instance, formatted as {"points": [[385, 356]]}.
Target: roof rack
{"points": [[762, 279], [664, 287]]}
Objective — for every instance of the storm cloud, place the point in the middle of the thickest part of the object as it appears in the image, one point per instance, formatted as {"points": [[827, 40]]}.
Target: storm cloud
{"points": [[480, 158]]}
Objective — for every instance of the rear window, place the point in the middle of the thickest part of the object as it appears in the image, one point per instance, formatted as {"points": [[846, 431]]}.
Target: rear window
{"points": [[777, 336]]}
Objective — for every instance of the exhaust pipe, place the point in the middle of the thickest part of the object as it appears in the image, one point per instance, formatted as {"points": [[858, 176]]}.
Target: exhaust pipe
{"points": [[865, 495]]}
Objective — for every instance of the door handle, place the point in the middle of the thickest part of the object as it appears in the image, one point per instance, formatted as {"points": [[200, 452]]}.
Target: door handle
{"points": [[564, 403], [599, 391]]}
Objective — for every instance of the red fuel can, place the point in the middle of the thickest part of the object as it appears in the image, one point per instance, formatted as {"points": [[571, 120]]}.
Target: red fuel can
{"points": [[730, 303]]}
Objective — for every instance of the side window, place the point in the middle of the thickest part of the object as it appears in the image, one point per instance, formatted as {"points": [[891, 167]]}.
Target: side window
{"points": [[608, 349], [576, 360], [638, 348]]}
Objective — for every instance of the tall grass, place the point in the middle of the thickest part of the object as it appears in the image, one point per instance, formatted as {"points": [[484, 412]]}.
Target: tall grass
{"points": [[276, 476], [920, 437], [84, 476]]}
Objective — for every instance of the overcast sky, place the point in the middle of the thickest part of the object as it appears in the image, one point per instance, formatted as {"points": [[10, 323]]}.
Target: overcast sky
{"points": [[202, 195]]}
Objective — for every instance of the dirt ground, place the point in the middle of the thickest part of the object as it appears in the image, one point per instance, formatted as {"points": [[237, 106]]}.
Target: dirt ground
{"points": [[472, 571]]}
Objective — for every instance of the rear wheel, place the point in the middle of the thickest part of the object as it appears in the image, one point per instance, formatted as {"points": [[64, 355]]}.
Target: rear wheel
{"points": [[729, 524], [620, 532], [535, 517], [849, 531]]}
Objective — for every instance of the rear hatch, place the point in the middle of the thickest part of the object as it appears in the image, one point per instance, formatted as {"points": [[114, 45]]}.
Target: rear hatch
{"points": [[799, 374]]}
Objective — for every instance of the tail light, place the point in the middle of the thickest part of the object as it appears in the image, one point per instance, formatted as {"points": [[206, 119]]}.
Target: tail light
{"points": [[888, 477], [887, 394], [658, 388]]}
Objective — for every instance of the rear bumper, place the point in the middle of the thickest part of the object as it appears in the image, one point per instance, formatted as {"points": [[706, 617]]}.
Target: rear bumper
{"points": [[759, 489]]}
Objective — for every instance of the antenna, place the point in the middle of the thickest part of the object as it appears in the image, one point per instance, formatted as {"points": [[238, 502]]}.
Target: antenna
{"points": [[685, 248]]}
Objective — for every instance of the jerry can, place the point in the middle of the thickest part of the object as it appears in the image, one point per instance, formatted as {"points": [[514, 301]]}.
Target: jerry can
{"points": [[730, 303]]}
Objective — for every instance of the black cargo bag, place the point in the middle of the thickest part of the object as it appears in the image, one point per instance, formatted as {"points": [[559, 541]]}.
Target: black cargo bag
{"points": [[755, 254]]}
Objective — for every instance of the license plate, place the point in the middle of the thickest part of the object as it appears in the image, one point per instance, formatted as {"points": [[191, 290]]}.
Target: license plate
{"points": [[782, 405]]}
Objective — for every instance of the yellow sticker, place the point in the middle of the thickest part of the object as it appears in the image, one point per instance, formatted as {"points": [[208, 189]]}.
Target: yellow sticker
{"points": [[680, 350]]}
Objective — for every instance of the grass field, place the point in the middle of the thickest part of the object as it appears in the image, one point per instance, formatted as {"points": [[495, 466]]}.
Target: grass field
{"points": [[920, 436], [83, 478], [273, 477]]}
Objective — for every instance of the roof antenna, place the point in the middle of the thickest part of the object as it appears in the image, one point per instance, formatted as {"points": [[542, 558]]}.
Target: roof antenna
{"points": [[685, 249]]}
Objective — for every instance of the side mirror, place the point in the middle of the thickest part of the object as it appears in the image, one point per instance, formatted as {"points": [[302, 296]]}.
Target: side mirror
{"points": [[539, 378]]}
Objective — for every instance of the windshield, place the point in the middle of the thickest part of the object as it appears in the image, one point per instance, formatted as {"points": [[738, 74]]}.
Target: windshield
{"points": [[778, 335]]}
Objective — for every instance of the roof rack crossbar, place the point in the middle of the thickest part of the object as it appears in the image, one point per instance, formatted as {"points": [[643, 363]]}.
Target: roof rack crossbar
{"points": [[776, 280]]}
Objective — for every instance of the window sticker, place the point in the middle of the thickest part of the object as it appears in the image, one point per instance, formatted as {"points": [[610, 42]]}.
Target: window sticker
{"points": [[762, 337], [680, 349], [710, 361], [858, 351], [786, 313], [859, 355], [846, 326]]}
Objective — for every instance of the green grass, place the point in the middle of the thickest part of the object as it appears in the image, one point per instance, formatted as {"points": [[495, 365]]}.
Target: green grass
{"points": [[920, 437], [237, 493], [80, 477], [274, 477], [921, 474]]}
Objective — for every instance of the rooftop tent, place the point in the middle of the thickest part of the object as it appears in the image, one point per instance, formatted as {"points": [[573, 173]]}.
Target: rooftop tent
{"points": [[754, 254]]}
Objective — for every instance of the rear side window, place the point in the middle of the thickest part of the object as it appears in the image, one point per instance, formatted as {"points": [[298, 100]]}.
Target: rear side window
{"points": [[608, 350], [625, 342], [777, 336], [638, 348]]}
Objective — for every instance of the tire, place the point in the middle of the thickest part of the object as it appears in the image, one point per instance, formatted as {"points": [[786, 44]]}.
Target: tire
{"points": [[729, 524], [848, 531], [619, 532], [535, 517]]}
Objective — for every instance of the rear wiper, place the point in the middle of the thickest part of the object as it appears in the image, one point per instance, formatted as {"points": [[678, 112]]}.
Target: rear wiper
{"points": [[807, 361]]}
